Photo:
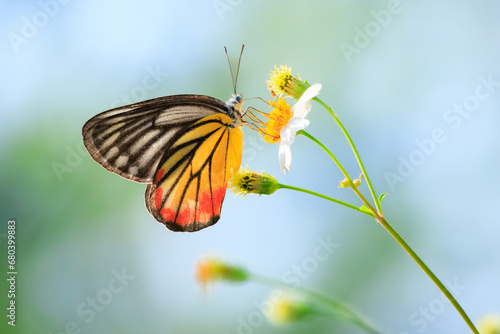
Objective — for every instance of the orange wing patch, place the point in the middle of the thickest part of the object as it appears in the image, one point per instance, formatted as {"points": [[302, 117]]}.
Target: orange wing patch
{"points": [[191, 181]]}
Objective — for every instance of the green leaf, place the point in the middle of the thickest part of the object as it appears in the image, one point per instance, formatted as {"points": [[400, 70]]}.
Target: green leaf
{"points": [[381, 197], [364, 208]]}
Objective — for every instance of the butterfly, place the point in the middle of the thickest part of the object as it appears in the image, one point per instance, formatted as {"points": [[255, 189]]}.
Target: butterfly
{"points": [[184, 147]]}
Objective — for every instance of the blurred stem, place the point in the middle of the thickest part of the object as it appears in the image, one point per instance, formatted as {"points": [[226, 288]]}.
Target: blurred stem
{"points": [[336, 309], [360, 323], [354, 150]]}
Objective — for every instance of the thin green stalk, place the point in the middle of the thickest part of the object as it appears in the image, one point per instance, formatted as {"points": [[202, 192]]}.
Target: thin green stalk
{"points": [[320, 144], [339, 165], [360, 195], [407, 248], [354, 150], [377, 213], [428, 272], [310, 192], [336, 307]]}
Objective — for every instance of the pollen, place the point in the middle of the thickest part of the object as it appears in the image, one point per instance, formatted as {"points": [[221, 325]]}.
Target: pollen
{"points": [[277, 119]]}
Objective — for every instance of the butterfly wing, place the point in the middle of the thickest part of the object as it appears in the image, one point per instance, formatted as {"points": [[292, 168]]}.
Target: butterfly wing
{"points": [[131, 140], [191, 179]]}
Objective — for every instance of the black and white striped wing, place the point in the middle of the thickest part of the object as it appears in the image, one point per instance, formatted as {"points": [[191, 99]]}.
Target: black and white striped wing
{"points": [[131, 140]]}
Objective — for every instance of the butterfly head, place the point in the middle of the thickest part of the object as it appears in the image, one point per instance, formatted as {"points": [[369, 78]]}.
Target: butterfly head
{"points": [[234, 107], [235, 101]]}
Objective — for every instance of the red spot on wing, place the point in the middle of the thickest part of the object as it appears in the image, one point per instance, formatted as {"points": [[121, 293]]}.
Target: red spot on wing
{"points": [[205, 208], [218, 197], [167, 214], [185, 217], [204, 204], [209, 205], [159, 175], [157, 200]]}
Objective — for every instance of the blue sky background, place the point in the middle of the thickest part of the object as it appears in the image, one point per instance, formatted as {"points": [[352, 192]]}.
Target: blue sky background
{"points": [[396, 72]]}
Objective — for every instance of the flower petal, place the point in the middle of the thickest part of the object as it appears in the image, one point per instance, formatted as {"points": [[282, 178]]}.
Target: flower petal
{"points": [[303, 105], [289, 132], [285, 157]]}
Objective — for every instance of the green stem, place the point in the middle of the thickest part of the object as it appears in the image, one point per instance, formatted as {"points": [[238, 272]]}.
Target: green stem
{"points": [[354, 150], [377, 213], [339, 165], [338, 309], [320, 144], [405, 246], [428, 272], [310, 192]]}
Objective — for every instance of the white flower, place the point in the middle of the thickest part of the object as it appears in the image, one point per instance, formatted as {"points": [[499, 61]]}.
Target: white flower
{"points": [[296, 123]]}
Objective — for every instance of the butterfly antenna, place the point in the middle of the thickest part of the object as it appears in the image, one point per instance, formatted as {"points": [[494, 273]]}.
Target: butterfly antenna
{"points": [[235, 79], [238, 68], [230, 69]]}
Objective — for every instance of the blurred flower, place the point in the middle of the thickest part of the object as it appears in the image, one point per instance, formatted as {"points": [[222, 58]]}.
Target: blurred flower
{"points": [[283, 82], [489, 324], [287, 122], [247, 182], [283, 310], [346, 184], [209, 270]]}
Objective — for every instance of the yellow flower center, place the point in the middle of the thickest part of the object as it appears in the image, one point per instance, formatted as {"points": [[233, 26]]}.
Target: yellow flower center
{"points": [[280, 77], [277, 119], [282, 81]]}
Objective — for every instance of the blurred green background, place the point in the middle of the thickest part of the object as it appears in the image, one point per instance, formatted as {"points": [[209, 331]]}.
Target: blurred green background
{"points": [[395, 72]]}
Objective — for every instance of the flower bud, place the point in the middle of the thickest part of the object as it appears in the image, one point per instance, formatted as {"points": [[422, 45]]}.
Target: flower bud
{"points": [[489, 324], [247, 182], [209, 270], [283, 310]]}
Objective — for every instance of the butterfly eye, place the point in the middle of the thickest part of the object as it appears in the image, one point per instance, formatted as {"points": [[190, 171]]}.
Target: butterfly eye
{"points": [[238, 98]]}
